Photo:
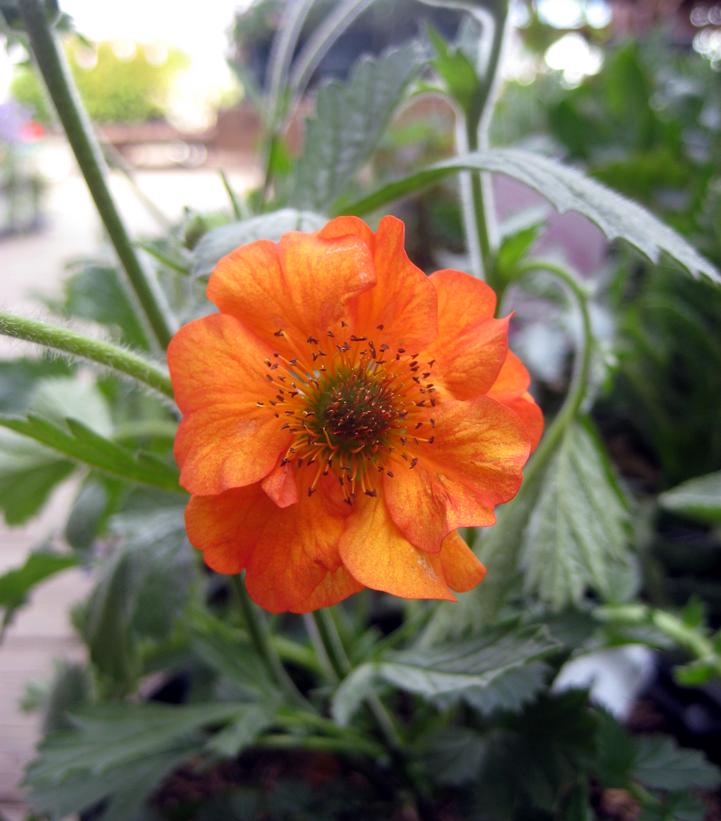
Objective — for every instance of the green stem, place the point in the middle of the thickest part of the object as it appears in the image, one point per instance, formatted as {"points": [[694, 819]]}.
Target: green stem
{"points": [[334, 650], [287, 741], [260, 638], [691, 640], [480, 211], [94, 350], [56, 75]]}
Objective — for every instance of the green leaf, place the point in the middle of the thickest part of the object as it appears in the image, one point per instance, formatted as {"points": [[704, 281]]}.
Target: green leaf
{"points": [[578, 528], [18, 378], [221, 241], [28, 474], [88, 514], [661, 764], [566, 189], [95, 291], [119, 750], [698, 498], [16, 584], [132, 599], [453, 756], [498, 670], [81, 444], [70, 689], [349, 121], [247, 724], [63, 398], [458, 74]]}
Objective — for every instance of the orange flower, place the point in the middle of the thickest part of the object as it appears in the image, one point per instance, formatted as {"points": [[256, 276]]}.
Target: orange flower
{"points": [[343, 415]]}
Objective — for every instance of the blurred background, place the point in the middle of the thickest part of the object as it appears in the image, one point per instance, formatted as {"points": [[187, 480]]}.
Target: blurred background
{"points": [[628, 89]]}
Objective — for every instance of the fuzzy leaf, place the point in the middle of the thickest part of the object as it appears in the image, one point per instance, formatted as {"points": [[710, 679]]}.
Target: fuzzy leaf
{"points": [[660, 763], [567, 190], [578, 528], [349, 121], [698, 498], [498, 670], [115, 747], [226, 238]]}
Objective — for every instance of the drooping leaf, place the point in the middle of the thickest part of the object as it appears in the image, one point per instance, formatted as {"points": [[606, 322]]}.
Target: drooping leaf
{"points": [[89, 512], [15, 585], [578, 528], [349, 121], [661, 764], [79, 443], [114, 749], [28, 474], [566, 189], [220, 241], [248, 723], [498, 670], [698, 498]]}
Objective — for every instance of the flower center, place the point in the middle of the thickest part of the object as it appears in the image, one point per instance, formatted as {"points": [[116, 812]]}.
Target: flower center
{"points": [[354, 408]]}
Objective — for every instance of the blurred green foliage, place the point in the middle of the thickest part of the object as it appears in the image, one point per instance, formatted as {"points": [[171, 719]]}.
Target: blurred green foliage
{"points": [[114, 89]]}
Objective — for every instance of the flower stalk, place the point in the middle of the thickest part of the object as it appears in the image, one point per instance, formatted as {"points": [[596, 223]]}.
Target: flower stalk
{"points": [[93, 350], [61, 89]]}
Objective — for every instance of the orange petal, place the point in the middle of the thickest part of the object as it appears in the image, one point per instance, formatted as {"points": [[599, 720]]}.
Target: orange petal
{"points": [[300, 285], [225, 440], [401, 309], [474, 464], [290, 554], [471, 346], [281, 487], [375, 552], [461, 568], [511, 389]]}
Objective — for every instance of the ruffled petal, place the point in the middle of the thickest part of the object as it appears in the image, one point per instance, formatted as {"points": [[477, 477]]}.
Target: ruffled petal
{"points": [[401, 309], [461, 568], [225, 439], [474, 464], [300, 285], [378, 556], [511, 389], [471, 346], [290, 554]]}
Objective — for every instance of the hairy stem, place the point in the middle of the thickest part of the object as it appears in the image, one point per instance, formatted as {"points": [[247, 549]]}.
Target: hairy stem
{"points": [[94, 350], [53, 67]]}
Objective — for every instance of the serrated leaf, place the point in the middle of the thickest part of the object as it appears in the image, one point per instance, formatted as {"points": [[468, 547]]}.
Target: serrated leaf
{"points": [[28, 474], [578, 528], [458, 74], [115, 747], [16, 584], [567, 190], [661, 764], [349, 121], [220, 241], [453, 756], [485, 672], [698, 498], [79, 443]]}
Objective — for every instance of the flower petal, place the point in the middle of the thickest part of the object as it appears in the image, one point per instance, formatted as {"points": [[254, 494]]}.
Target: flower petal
{"points": [[281, 486], [461, 568], [471, 346], [225, 439], [301, 285], [401, 308], [378, 556], [473, 465], [511, 389], [290, 554]]}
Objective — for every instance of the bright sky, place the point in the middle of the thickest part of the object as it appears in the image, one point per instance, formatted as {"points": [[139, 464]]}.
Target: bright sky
{"points": [[200, 29]]}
